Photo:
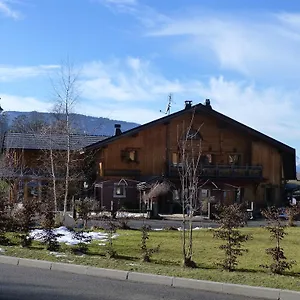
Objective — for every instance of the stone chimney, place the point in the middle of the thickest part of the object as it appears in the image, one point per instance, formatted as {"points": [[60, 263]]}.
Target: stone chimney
{"points": [[188, 104], [207, 103], [118, 130]]}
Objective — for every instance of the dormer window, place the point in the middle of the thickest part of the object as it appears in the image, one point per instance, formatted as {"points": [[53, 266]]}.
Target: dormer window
{"points": [[129, 155], [119, 190], [234, 159], [132, 155]]}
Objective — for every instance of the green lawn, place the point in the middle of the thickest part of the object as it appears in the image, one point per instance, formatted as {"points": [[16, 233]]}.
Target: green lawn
{"points": [[168, 260]]}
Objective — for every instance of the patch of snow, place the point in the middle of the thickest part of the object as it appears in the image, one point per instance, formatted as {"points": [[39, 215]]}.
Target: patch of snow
{"points": [[124, 214], [66, 236], [2, 250], [157, 229], [58, 254], [196, 228]]}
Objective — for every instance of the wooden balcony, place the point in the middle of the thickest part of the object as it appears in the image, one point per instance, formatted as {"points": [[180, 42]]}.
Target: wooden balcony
{"points": [[222, 171], [122, 172]]}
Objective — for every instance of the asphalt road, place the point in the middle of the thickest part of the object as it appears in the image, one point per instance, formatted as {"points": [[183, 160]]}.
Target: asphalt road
{"points": [[24, 283]]}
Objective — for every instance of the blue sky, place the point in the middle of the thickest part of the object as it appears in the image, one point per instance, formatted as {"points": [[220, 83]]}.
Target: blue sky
{"points": [[243, 55]]}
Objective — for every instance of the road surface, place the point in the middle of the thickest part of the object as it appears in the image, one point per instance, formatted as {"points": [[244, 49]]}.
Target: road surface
{"points": [[25, 283]]}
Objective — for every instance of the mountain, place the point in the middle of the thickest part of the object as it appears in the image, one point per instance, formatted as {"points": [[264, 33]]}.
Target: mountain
{"points": [[84, 124], [298, 164]]}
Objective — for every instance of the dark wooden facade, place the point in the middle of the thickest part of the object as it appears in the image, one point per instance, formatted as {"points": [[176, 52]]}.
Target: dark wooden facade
{"points": [[26, 163], [237, 155]]}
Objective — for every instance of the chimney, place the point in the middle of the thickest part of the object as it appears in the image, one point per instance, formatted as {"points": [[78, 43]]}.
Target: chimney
{"points": [[188, 104], [118, 130], [207, 103]]}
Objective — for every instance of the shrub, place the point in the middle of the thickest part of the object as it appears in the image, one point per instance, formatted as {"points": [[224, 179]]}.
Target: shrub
{"points": [[84, 207], [49, 237], [81, 247], [292, 212], [5, 216], [111, 230], [145, 251], [231, 218], [277, 233], [24, 220]]}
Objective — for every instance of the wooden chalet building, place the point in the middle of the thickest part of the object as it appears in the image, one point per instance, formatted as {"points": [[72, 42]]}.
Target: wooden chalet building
{"points": [[238, 163], [26, 163]]}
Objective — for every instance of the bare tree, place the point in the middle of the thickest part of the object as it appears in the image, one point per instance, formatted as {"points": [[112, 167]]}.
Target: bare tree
{"points": [[66, 96], [190, 149]]}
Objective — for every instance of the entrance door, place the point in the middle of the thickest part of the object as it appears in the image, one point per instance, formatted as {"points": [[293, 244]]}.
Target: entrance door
{"points": [[269, 196]]}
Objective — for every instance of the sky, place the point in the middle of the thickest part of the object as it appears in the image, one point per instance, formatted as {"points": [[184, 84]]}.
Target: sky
{"points": [[129, 55]]}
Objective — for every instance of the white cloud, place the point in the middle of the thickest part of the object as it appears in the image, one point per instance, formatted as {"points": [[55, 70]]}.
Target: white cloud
{"points": [[7, 10], [263, 46], [121, 2], [119, 112], [130, 80], [127, 6], [145, 14], [20, 103], [269, 110], [13, 73], [260, 45]]}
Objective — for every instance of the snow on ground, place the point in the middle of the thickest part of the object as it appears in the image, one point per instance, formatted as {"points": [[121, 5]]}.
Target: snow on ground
{"points": [[124, 214], [119, 214], [67, 236], [196, 228], [2, 250], [58, 254], [180, 228]]}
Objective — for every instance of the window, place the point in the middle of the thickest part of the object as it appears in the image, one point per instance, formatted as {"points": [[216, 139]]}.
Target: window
{"points": [[129, 155], [119, 190], [100, 169], [207, 159], [133, 155], [205, 193], [174, 158], [234, 159]]}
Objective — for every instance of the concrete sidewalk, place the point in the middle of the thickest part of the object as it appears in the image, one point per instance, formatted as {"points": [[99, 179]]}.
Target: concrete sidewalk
{"points": [[176, 282]]}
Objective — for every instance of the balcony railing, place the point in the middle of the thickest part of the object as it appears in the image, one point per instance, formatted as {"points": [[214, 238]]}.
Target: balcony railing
{"points": [[122, 172], [222, 171]]}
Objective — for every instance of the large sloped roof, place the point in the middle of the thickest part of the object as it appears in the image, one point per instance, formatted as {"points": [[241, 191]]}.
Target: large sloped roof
{"points": [[208, 111], [32, 141]]}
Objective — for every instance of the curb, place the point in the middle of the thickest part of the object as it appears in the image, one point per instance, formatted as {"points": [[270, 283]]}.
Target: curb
{"points": [[176, 282]]}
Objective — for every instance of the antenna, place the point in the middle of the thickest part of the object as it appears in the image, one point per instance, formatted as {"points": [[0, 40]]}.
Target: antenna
{"points": [[168, 109]]}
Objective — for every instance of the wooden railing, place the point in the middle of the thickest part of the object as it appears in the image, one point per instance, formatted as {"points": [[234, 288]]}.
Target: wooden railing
{"points": [[221, 171], [122, 172]]}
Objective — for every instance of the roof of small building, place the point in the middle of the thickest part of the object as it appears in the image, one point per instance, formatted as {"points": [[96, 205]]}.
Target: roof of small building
{"points": [[36, 141]]}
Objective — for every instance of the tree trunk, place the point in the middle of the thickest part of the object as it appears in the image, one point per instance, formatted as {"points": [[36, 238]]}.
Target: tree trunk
{"points": [[67, 164]]}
